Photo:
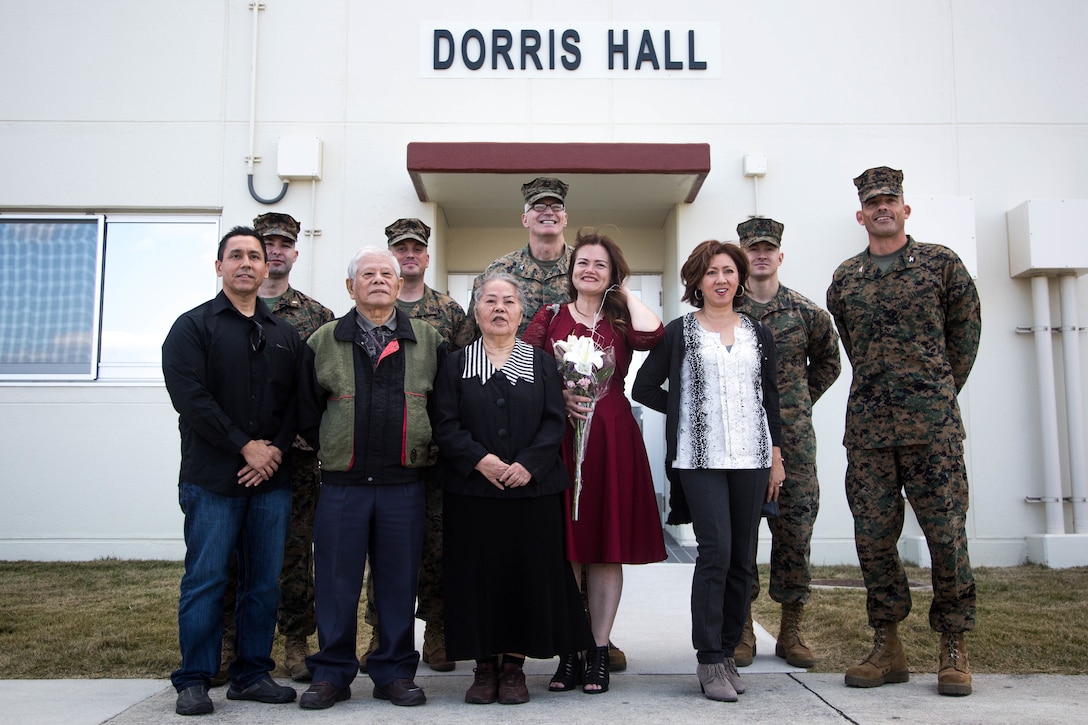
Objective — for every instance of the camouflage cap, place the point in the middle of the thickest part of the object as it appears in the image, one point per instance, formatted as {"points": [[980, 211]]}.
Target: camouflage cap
{"points": [[881, 180], [760, 229], [408, 229], [544, 187], [277, 225]]}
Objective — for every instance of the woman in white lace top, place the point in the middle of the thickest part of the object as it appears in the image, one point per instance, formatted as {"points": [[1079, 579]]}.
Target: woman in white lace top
{"points": [[722, 437]]}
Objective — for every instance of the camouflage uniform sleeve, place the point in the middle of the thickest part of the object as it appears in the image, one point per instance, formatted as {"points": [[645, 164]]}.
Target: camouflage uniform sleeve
{"points": [[470, 314], [464, 332], [963, 322], [835, 310], [824, 365]]}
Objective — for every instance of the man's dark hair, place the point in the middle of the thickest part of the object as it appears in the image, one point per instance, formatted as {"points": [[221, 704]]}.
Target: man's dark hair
{"points": [[240, 232]]}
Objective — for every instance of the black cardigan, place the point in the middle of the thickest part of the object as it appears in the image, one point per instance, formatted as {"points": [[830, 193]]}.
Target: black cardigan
{"points": [[522, 423], [664, 363]]}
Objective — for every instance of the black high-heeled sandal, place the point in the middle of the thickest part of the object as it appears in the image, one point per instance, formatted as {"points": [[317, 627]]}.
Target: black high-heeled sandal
{"points": [[569, 673], [596, 670]]}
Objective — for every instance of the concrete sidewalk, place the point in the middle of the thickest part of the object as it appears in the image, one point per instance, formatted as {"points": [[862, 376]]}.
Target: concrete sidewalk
{"points": [[659, 686]]}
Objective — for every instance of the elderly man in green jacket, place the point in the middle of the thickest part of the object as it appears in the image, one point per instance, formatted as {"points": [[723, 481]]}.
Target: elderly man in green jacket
{"points": [[374, 371]]}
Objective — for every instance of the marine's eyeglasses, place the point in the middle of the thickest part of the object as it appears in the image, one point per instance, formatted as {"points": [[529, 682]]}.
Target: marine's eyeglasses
{"points": [[557, 207]]}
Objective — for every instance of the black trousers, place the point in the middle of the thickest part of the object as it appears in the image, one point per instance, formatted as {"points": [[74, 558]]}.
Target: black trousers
{"points": [[725, 515], [385, 521]]}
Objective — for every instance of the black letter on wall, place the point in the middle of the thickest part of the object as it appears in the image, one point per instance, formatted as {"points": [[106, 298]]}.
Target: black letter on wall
{"points": [[570, 44], [530, 46], [613, 48], [476, 35], [501, 42], [440, 37]]}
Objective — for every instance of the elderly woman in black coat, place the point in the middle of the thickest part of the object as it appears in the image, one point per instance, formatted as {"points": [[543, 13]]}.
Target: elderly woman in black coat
{"points": [[498, 421]]}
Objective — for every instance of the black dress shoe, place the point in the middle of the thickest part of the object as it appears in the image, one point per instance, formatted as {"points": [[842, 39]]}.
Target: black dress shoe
{"points": [[263, 690], [403, 692], [322, 695], [194, 700]]}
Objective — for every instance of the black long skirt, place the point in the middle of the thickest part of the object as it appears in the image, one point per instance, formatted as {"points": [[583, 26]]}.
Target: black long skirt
{"points": [[507, 586]]}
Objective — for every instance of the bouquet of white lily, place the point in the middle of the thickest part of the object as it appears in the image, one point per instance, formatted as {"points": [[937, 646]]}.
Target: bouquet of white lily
{"points": [[587, 370]]}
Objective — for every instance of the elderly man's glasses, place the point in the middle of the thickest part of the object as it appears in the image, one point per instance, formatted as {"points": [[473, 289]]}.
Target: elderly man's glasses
{"points": [[557, 207], [256, 338]]}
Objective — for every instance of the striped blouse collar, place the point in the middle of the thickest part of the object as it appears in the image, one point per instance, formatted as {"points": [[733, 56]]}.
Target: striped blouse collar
{"points": [[519, 366]]}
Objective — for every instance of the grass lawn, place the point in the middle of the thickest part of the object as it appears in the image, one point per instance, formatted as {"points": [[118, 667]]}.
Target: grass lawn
{"points": [[118, 619]]}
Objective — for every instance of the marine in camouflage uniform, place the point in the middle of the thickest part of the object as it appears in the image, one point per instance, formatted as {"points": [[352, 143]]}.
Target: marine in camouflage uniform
{"points": [[542, 282], [807, 355], [911, 331], [296, 611], [296, 607], [444, 314]]}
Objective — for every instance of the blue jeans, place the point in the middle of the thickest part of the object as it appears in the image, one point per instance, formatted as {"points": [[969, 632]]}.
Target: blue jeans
{"points": [[215, 527]]}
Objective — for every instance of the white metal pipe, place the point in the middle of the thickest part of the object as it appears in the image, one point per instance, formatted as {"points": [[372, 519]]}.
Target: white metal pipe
{"points": [[313, 229], [1044, 354], [256, 7], [1074, 403], [1048, 406]]}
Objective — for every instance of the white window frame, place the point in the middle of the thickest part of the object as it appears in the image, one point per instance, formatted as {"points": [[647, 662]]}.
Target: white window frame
{"points": [[142, 371]]}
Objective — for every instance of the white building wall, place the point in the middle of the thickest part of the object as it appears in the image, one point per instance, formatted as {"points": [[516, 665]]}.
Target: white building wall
{"points": [[129, 105]]}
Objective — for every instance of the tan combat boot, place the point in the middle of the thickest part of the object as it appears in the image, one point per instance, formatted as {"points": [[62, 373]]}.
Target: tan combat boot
{"points": [[746, 648], [954, 672], [434, 648], [790, 646], [370, 648], [617, 660], [887, 662], [296, 649]]}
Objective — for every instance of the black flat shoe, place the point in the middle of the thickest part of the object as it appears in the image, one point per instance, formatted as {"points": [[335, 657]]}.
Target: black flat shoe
{"points": [[596, 670], [569, 673]]}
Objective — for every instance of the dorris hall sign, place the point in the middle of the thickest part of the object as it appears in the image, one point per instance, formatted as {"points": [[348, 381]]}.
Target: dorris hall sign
{"points": [[588, 50]]}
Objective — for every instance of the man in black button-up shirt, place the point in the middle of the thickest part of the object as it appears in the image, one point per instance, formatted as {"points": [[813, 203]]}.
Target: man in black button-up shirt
{"points": [[232, 370]]}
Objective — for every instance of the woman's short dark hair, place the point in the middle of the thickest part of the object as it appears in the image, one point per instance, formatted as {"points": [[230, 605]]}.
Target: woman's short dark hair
{"points": [[614, 309], [691, 274]]}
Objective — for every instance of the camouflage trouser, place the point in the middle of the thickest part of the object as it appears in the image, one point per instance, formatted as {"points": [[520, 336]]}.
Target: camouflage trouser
{"points": [[429, 608], [935, 482], [791, 537], [296, 611]]}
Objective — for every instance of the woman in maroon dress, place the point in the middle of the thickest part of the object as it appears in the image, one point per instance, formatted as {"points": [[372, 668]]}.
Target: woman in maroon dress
{"points": [[618, 520]]}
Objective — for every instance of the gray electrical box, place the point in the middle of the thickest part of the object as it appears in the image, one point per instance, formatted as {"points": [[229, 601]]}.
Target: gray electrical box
{"points": [[299, 158], [1046, 237]]}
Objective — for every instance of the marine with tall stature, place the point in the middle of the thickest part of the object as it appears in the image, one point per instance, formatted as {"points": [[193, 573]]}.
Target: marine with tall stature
{"points": [[808, 363], [910, 321], [296, 614], [540, 267]]}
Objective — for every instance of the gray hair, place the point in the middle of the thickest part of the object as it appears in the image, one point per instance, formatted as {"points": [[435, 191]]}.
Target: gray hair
{"points": [[383, 253], [500, 277]]}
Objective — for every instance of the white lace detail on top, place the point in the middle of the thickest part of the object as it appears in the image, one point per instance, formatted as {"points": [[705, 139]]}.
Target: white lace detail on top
{"points": [[722, 421]]}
